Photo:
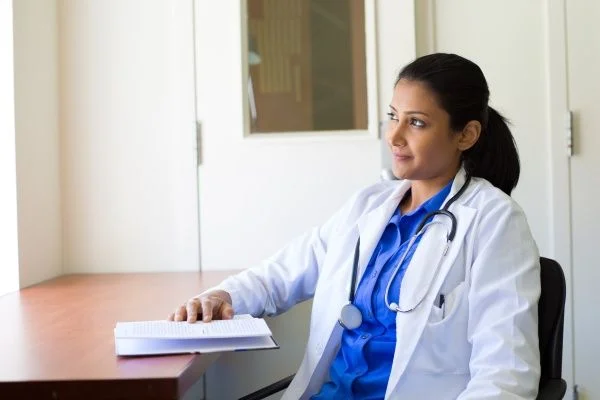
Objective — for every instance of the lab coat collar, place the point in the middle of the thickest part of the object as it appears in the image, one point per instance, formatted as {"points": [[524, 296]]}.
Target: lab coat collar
{"points": [[459, 180], [372, 224]]}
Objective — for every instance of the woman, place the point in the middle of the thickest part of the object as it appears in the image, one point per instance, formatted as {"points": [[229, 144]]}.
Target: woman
{"points": [[447, 311]]}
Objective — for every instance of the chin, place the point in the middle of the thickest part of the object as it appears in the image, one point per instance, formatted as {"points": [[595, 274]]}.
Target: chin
{"points": [[401, 174]]}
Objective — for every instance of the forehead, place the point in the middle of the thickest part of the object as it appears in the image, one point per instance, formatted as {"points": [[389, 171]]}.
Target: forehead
{"points": [[414, 96]]}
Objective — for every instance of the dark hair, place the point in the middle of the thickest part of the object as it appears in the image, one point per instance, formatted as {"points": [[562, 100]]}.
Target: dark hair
{"points": [[461, 90]]}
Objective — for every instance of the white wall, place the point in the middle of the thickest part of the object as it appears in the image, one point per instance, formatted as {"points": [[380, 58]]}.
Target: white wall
{"points": [[37, 140], [9, 256], [129, 187]]}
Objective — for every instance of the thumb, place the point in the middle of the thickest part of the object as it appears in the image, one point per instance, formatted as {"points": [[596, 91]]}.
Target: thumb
{"points": [[226, 311]]}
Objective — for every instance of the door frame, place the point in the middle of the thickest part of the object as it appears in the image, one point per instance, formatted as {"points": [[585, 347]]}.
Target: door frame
{"points": [[560, 181]]}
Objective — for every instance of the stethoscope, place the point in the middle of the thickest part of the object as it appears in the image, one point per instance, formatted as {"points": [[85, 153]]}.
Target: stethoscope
{"points": [[350, 316]]}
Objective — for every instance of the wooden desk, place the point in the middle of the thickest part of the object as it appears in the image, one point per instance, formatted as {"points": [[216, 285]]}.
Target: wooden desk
{"points": [[56, 338]]}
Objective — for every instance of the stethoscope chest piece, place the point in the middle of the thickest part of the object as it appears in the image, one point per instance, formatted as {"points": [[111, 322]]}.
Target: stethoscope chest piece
{"points": [[350, 317]]}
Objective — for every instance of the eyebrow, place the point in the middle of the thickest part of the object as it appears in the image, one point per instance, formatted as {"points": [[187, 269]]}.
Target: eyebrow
{"points": [[410, 112]]}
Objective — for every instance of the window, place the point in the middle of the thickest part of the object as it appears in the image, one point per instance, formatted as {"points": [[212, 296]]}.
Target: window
{"points": [[307, 66]]}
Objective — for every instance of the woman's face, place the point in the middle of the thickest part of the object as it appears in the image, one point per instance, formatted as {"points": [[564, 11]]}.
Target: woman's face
{"points": [[419, 135]]}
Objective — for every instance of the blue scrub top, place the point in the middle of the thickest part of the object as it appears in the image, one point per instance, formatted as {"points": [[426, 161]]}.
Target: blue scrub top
{"points": [[363, 363]]}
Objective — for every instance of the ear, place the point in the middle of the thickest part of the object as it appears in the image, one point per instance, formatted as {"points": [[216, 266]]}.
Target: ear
{"points": [[469, 135]]}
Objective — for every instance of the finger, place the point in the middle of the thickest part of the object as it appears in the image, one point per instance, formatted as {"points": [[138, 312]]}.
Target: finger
{"points": [[180, 314], [171, 317], [226, 311], [207, 310], [192, 310]]}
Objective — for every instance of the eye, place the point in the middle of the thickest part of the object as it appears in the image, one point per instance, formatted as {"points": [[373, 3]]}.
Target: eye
{"points": [[392, 116], [417, 123]]}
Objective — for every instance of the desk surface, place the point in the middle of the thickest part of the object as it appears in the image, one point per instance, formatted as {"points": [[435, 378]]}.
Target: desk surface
{"points": [[57, 339]]}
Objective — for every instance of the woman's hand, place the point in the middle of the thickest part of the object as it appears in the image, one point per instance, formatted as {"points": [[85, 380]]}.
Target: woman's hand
{"points": [[209, 306]]}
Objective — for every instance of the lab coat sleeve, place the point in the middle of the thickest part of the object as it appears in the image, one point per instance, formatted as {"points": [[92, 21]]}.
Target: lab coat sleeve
{"points": [[503, 313], [288, 277]]}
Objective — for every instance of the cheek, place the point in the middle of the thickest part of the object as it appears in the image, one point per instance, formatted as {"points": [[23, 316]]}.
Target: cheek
{"points": [[436, 152]]}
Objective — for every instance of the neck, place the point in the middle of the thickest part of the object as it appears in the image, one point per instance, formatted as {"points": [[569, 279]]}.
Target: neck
{"points": [[423, 190]]}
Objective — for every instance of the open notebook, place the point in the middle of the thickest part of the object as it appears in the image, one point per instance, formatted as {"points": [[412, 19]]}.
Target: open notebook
{"points": [[243, 332]]}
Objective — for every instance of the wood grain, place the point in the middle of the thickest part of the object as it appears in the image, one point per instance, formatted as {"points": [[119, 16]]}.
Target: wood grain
{"points": [[57, 339]]}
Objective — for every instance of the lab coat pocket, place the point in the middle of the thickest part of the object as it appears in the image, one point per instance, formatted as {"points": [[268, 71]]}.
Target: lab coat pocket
{"points": [[444, 348], [451, 302]]}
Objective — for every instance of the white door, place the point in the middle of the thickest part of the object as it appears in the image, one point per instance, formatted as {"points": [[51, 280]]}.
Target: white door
{"points": [[258, 191], [583, 47]]}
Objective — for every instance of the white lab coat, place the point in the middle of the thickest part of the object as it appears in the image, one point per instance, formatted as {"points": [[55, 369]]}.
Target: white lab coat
{"points": [[485, 343]]}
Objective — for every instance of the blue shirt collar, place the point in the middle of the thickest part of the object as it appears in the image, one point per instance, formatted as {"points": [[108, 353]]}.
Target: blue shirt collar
{"points": [[434, 203]]}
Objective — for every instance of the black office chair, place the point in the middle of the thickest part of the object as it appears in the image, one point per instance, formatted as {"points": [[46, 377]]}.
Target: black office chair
{"points": [[551, 312]]}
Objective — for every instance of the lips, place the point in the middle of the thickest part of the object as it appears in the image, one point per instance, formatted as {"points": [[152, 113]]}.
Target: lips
{"points": [[402, 157]]}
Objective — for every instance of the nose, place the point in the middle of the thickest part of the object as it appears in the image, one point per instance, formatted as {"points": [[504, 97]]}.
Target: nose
{"points": [[395, 133]]}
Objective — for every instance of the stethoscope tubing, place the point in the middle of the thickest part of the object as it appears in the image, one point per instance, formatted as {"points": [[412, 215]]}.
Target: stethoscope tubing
{"points": [[421, 229]]}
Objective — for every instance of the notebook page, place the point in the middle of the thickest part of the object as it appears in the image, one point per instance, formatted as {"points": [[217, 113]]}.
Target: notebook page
{"points": [[242, 326]]}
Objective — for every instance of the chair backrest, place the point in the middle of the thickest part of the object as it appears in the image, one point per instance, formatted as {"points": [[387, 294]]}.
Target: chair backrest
{"points": [[551, 313]]}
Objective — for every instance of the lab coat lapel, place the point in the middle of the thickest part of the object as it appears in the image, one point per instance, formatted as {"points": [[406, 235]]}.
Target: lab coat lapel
{"points": [[427, 261], [428, 267], [423, 281], [372, 224]]}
